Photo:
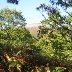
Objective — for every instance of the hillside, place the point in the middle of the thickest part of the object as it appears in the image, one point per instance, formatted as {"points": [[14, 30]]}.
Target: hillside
{"points": [[33, 28]]}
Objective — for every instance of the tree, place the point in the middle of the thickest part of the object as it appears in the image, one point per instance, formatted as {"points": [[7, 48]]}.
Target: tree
{"points": [[16, 45], [12, 1], [54, 19], [63, 3], [55, 37], [57, 50], [56, 46], [15, 40], [9, 18]]}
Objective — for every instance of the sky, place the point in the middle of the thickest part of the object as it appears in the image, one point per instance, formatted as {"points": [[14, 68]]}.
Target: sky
{"points": [[28, 9]]}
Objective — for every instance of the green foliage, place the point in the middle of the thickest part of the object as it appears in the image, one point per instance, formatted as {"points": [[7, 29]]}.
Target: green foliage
{"points": [[63, 3], [12, 64], [16, 42], [54, 20], [15, 39], [69, 18], [9, 18], [55, 45], [46, 46], [58, 69], [56, 41], [19, 48], [42, 31]]}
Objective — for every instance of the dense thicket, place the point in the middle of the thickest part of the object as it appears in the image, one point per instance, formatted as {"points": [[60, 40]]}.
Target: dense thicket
{"points": [[21, 52], [56, 36]]}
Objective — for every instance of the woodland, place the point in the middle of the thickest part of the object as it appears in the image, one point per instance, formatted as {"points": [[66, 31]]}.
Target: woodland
{"points": [[51, 51]]}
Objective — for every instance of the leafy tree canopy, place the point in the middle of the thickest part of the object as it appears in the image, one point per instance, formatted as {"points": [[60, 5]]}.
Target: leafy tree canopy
{"points": [[63, 3], [9, 18], [55, 35], [16, 47]]}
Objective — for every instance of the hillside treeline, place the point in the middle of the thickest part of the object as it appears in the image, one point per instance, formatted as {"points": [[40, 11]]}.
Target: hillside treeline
{"points": [[21, 52]]}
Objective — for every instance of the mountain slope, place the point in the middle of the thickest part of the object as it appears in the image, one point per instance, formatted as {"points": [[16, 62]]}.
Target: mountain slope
{"points": [[33, 28]]}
